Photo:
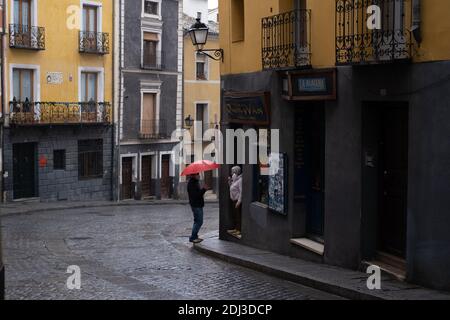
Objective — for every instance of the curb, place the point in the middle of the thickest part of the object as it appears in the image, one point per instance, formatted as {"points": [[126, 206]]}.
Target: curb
{"points": [[300, 279], [111, 204]]}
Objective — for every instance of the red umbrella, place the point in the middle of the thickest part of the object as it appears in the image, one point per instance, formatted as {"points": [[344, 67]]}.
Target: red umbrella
{"points": [[199, 166]]}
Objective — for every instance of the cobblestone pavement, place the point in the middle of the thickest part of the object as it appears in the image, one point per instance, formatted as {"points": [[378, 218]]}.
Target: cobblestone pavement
{"points": [[133, 252]]}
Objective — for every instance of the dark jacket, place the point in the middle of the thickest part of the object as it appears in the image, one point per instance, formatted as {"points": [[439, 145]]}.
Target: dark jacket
{"points": [[195, 194]]}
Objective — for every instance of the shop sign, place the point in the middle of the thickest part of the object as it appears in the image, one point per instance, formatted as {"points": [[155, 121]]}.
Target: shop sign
{"points": [[309, 85], [248, 108]]}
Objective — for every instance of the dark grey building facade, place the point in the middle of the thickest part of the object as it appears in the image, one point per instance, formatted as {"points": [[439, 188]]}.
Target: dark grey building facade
{"points": [[150, 99], [366, 156], [384, 149]]}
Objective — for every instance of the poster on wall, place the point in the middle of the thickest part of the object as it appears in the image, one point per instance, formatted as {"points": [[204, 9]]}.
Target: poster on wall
{"points": [[278, 183]]}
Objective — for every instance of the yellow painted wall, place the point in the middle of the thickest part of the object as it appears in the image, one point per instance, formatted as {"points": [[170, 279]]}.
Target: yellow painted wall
{"points": [[245, 56], [201, 90], [61, 52]]}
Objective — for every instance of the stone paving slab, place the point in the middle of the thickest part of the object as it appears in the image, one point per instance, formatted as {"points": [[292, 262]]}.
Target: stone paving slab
{"points": [[343, 282]]}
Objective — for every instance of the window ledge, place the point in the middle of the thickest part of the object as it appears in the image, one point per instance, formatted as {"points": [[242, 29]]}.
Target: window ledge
{"points": [[309, 244]]}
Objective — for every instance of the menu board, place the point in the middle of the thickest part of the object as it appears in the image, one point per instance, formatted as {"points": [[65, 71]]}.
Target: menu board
{"points": [[278, 183]]}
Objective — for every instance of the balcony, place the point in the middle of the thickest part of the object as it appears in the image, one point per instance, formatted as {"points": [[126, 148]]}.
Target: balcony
{"points": [[153, 130], [356, 43], [94, 42], [286, 40], [153, 61], [59, 113], [26, 37]]}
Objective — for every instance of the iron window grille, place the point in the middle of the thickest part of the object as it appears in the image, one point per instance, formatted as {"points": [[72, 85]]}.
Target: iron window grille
{"points": [[94, 42], [90, 159], [356, 43], [286, 40], [26, 37]]}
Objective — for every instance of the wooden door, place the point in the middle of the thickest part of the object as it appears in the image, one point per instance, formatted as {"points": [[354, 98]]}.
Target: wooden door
{"points": [[146, 183], [165, 177], [127, 178], [393, 177], [24, 169]]}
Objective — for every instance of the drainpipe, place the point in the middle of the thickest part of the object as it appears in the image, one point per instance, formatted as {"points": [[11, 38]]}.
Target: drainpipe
{"points": [[3, 102], [416, 21]]}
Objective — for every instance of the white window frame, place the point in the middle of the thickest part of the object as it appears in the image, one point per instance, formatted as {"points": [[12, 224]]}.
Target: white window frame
{"points": [[158, 100], [100, 81], [206, 67], [155, 16], [154, 164], [134, 166], [36, 79], [34, 15], [171, 164], [207, 103], [158, 47], [99, 6]]}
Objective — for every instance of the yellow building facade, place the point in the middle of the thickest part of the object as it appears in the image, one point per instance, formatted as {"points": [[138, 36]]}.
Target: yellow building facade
{"points": [[62, 21], [243, 56], [58, 91], [355, 92], [201, 92]]}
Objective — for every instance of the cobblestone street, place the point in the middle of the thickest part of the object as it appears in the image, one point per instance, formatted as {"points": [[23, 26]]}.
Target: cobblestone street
{"points": [[127, 252]]}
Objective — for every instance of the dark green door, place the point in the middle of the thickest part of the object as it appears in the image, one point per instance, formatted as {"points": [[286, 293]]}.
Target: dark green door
{"points": [[24, 170]]}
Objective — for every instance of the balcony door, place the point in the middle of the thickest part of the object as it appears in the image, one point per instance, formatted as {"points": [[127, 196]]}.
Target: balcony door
{"points": [[90, 27], [89, 94], [150, 54], [149, 126], [23, 85], [22, 22]]}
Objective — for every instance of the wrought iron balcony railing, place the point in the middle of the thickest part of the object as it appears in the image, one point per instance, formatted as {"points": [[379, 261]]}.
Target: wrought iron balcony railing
{"points": [[357, 43], [59, 113], [153, 60], [94, 42], [286, 40], [26, 37], [153, 130]]}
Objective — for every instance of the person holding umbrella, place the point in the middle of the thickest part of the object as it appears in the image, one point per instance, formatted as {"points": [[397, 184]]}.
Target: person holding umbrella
{"points": [[196, 194]]}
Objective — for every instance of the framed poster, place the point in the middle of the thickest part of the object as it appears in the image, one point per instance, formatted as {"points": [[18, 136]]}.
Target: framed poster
{"points": [[278, 183]]}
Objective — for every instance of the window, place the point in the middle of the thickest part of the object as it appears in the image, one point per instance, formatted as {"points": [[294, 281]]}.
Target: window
{"points": [[201, 114], [59, 159], [90, 159], [90, 18], [201, 67], [261, 191], [237, 20], [89, 82], [151, 7], [149, 124], [22, 13], [150, 55], [23, 84]]}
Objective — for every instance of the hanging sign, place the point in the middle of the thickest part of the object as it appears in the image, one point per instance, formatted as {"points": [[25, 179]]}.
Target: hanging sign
{"points": [[247, 108], [309, 85]]}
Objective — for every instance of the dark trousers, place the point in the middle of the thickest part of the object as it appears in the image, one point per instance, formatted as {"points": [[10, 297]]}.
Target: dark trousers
{"points": [[198, 222], [237, 216]]}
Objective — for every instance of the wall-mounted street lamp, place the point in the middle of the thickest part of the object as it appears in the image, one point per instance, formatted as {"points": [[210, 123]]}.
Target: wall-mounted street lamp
{"points": [[199, 36], [189, 122]]}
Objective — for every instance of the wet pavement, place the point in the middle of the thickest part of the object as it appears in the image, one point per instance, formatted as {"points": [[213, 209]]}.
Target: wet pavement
{"points": [[127, 252]]}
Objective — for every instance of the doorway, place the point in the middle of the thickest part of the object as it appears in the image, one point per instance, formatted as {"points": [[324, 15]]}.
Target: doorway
{"points": [[24, 170], [146, 183], [309, 150], [385, 174], [166, 181], [127, 178]]}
